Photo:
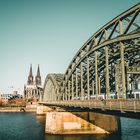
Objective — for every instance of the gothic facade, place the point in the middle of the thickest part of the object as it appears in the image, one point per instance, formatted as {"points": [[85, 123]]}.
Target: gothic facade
{"points": [[33, 86]]}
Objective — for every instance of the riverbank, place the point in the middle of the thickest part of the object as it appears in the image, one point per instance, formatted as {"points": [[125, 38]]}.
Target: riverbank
{"points": [[18, 109], [18, 105]]}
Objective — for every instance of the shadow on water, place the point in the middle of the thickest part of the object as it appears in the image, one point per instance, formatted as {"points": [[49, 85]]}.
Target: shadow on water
{"points": [[130, 129], [41, 119], [83, 137], [28, 126]]}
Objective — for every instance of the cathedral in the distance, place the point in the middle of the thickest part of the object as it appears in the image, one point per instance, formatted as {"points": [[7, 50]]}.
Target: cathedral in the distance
{"points": [[33, 86]]}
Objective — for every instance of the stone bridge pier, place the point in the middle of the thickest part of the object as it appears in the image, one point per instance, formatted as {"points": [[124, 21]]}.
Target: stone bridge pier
{"points": [[42, 109], [62, 122]]}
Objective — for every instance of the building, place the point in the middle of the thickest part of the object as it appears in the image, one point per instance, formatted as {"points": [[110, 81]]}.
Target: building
{"points": [[32, 88], [10, 96]]}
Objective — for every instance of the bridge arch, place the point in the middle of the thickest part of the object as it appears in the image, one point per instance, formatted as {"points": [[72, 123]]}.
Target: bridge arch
{"points": [[106, 66], [52, 87], [108, 63]]}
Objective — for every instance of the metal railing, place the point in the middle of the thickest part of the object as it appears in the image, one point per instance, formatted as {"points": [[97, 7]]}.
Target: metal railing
{"points": [[129, 105]]}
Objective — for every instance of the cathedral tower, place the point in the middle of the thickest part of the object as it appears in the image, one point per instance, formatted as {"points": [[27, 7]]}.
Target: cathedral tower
{"points": [[30, 77], [32, 89], [38, 77]]}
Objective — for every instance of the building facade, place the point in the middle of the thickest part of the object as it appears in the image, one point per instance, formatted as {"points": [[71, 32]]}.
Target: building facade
{"points": [[32, 88]]}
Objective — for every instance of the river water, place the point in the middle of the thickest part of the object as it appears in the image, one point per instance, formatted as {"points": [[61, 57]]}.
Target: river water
{"points": [[28, 126]]}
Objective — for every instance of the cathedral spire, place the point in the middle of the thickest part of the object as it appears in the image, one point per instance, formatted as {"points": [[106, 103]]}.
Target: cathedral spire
{"points": [[38, 71], [30, 77], [30, 73], [38, 77], [24, 91]]}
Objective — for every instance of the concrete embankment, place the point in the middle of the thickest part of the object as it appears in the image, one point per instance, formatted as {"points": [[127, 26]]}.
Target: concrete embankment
{"points": [[28, 108]]}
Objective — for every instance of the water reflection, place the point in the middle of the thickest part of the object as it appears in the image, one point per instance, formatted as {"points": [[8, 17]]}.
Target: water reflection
{"points": [[41, 119], [21, 126], [130, 130]]}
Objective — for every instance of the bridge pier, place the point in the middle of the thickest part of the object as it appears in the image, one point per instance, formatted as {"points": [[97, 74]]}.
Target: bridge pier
{"points": [[42, 109], [80, 123], [108, 122]]}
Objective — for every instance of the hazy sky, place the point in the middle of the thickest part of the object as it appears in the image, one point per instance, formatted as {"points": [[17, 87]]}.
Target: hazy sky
{"points": [[48, 33]]}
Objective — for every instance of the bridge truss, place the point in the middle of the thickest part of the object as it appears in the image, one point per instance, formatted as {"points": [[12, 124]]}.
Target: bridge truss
{"points": [[107, 64]]}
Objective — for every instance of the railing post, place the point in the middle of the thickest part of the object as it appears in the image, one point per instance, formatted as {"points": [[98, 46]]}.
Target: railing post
{"points": [[93, 88], [95, 106], [110, 105], [102, 105], [89, 103], [120, 106], [135, 106]]}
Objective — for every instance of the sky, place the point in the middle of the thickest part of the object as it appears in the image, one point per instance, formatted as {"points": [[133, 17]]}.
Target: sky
{"points": [[48, 33]]}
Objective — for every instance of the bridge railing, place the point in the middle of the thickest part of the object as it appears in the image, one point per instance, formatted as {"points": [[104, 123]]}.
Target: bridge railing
{"points": [[122, 105]]}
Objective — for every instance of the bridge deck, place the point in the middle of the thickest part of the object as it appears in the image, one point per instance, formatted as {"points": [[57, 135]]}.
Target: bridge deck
{"points": [[129, 105]]}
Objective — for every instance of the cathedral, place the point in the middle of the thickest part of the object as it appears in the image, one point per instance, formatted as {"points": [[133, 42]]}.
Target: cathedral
{"points": [[32, 88]]}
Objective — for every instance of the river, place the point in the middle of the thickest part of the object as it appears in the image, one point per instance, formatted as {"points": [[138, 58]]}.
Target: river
{"points": [[28, 126]]}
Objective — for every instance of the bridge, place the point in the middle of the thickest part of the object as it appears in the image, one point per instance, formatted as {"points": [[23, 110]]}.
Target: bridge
{"points": [[104, 75]]}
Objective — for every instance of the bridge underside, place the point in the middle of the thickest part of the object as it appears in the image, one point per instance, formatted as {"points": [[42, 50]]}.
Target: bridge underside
{"points": [[119, 111], [68, 120]]}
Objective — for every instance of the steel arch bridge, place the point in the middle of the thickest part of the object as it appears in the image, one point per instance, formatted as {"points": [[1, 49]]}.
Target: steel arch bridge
{"points": [[107, 65], [52, 87]]}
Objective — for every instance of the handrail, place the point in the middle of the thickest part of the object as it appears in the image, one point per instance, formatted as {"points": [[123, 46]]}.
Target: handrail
{"points": [[130, 105]]}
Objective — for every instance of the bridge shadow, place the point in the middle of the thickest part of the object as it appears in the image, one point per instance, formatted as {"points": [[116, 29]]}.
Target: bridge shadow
{"points": [[41, 119], [109, 123], [83, 137], [117, 136]]}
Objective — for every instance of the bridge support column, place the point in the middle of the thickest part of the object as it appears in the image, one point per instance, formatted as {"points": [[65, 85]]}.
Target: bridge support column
{"points": [[81, 75], [69, 91], [107, 122], [96, 75], [72, 96], [63, 91], [107, 74], [123, 70], [66, 88], [70, 123], [80, 123], [88, 94], [41, 109], [66, 98], [76, 83]]}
